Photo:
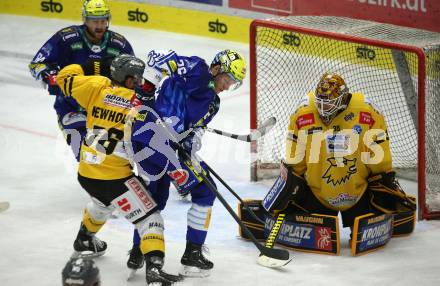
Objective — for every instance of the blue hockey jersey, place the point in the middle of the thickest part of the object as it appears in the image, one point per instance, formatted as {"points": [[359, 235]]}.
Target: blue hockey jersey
{"points": [[186, 95], [71, 46]]}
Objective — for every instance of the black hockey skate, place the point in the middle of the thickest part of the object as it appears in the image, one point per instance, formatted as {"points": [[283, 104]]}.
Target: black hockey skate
{"points": [[194, 263], [135, 261], [87, 244], [154, 274]]}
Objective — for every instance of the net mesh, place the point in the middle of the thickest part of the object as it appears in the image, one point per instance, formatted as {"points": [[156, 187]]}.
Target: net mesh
{"points": [[289, 63]]}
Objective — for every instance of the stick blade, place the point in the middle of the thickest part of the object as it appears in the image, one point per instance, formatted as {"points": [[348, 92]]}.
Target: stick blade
{"points": [[269, 123], [264, 127], [272, 262], [273, 258]]}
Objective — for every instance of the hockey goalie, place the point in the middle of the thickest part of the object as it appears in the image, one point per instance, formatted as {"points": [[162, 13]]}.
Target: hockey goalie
{"points": [[338, 159]]}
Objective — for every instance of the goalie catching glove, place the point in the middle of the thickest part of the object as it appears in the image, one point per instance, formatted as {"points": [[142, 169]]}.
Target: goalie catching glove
{"points": [[387, 195]]}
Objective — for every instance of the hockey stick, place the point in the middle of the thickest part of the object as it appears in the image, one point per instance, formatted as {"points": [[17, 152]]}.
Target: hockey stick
{"points": [[265, 127], [251, 212], [269, 257]]}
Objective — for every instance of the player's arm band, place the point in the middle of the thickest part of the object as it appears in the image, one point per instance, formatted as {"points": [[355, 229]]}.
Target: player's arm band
{"points": [[387, 194], [288, 187]]}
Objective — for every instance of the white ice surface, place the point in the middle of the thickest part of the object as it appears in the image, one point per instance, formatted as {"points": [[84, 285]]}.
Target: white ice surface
{"points": [[38, 177]]}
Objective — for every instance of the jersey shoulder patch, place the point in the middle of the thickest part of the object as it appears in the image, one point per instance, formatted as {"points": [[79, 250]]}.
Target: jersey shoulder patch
{"points": [[69, 34], [117, 39], [303, 102], [373, 105]]}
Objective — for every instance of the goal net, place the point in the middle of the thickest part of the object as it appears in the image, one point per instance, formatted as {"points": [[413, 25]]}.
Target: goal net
{"points": [[397, 67]]}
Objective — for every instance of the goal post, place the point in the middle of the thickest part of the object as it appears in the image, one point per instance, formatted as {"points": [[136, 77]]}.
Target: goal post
{"points": [[397, 67]]}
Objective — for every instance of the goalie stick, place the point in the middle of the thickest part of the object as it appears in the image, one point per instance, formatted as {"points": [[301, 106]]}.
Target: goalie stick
{"points": [[265, 127], [245, 206], [269, 257]]}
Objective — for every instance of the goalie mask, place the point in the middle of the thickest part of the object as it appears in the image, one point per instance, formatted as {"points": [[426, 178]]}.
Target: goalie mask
{"points": [[233, 64], [331, 96], [79, 271]]}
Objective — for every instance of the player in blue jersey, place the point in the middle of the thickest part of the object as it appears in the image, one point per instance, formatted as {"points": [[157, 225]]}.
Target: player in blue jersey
{"points": [[185, 102], [91, 42]]}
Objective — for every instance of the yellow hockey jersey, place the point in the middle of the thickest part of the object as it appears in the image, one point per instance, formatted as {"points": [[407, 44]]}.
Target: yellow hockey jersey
{"points": [[102, 154], [336, 160]]}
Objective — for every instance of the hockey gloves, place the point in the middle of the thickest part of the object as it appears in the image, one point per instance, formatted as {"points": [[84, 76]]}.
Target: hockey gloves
{"points": [[49, 76], [387, 195], [193, 142]]}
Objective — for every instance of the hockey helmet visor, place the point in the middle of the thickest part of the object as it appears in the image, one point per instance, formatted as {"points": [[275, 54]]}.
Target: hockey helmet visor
{"points": [[233, 64], [96, 9]]}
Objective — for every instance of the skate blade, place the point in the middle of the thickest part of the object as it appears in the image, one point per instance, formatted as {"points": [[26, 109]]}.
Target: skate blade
{"points": [[87, 254], [131, 274], [192, 271]]}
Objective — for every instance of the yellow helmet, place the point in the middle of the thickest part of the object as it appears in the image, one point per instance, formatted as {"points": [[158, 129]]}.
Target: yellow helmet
{"points": [[232, 63], [95, 9], [330, 95]]}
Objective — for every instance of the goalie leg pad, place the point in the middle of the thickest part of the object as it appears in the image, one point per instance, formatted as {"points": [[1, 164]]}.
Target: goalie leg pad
{"points": [[255, 227], [371, 232], [287, 187], [311, 233], [315, 233]]}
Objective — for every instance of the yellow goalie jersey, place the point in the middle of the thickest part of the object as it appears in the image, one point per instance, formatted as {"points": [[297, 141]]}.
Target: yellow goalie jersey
{"points": [[336, 160], [102, 154]]}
